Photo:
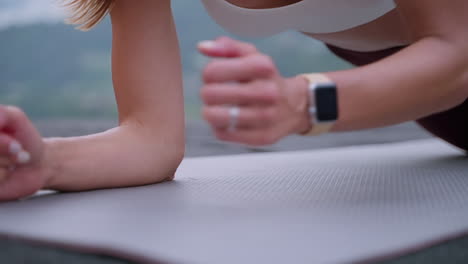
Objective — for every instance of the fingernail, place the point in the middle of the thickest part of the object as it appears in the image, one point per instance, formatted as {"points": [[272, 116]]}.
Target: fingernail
{"points": [[15, 147], [207, 44], [24, 157]]}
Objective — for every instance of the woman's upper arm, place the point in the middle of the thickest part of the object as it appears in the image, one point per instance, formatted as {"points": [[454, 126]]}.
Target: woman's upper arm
{"points": [[146, 66], [444, 24], [435, 18]]}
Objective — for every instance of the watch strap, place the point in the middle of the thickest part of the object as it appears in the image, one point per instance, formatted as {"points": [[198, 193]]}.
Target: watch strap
{"points": [[317, 128]]}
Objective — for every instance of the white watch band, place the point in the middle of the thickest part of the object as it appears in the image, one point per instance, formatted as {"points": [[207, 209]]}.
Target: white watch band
{"points": [[317, 127]]}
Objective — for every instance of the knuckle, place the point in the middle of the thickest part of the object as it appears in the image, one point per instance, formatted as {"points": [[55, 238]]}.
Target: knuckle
{"points": [[267, 60], [213, 116], [203, 93], [251, 47], [268, 114], [206, 94], [264, 64], [206, 114], [273, 97], [264, 92], [245, 95], [255, 86], [271, 93], [16, 113], [209, 71]]}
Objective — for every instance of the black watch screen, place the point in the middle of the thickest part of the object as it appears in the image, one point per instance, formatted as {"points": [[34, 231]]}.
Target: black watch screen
{"points": [[326, 100]]}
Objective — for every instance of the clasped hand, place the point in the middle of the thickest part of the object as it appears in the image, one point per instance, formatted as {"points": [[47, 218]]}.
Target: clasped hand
{"points": [[21, 155], [270, 107]]}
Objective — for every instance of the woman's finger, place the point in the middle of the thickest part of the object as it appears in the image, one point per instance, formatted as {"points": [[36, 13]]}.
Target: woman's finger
{"points": [[241, 69], [18, 126], [3, 118], [249, 117], [253, 93], [12, 150], [225, 47]]}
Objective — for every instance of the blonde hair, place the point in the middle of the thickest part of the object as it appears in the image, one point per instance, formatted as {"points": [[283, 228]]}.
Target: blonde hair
{"points": [[87, 13]]}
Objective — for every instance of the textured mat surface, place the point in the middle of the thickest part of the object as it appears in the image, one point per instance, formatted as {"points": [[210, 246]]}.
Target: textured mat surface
{"points": [[342, 205]]}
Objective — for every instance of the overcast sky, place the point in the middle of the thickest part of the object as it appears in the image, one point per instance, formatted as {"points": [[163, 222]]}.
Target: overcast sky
{"points": [[17, 12]]}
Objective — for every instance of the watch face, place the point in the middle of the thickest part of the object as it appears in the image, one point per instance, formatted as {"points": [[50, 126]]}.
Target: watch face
{"points": [[326, 102]]}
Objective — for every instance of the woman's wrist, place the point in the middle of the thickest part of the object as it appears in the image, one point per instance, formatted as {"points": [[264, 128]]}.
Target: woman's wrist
{"points": [[50, 164], [300, 85]]}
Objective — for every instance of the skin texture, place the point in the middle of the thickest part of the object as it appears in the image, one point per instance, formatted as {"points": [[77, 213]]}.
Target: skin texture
{"points": [[427, 77]]}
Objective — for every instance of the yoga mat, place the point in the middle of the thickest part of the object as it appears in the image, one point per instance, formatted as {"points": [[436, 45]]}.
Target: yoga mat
{"points": [[343, 205]]}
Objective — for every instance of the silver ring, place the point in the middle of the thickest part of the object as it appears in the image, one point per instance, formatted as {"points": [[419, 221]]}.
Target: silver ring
{"points": [[234, 112]]}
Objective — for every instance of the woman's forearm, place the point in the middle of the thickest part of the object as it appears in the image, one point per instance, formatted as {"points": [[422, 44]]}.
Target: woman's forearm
{"points": [[120, 157], [427, 77], [149, 144]]}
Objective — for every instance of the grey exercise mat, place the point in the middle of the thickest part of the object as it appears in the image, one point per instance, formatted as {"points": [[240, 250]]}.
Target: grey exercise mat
{"points": [[345, 205]]}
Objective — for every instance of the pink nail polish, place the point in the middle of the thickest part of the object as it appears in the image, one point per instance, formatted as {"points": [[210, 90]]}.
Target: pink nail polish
{"points": [[24, 157], [15, 147], [207, 44]]}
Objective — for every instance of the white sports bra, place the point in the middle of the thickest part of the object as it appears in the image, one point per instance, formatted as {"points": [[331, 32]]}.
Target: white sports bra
{"points": [[312, 16]]}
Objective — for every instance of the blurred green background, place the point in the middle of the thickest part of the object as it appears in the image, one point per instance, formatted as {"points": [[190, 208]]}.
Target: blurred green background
{"points": [[53, 71]]}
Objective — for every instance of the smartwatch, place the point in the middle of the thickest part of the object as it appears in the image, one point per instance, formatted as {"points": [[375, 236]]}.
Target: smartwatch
{"points": [[323, 104]]}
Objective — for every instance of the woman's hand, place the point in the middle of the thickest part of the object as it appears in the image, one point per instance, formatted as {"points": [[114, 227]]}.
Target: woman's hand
{"points": [[21, 153], [244, 82]]}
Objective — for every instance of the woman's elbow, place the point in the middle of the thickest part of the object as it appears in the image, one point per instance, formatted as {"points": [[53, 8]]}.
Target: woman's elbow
{"points": [[161, 151], [459, 92], [160, 164], [175, 157], [456, 74]]}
